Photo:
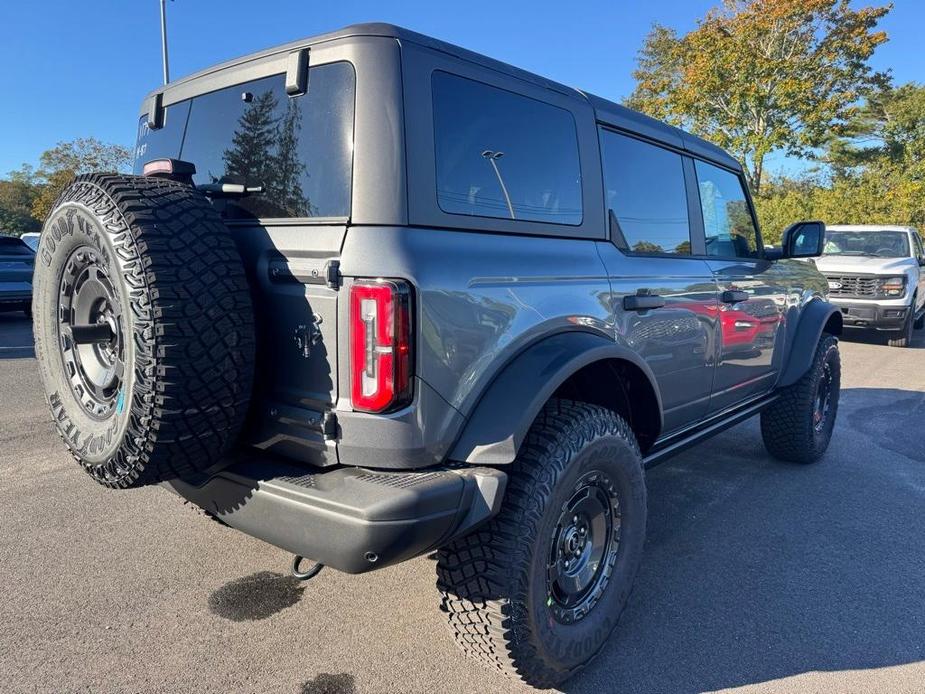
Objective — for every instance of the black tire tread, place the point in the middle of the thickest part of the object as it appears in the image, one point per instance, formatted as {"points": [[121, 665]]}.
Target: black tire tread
{"points": [[193, 326], [903, 336], [786, 425], [474, 573]]}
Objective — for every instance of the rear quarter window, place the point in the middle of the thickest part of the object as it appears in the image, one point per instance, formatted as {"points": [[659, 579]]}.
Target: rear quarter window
{"points": [[500, 154], [299, 149]]}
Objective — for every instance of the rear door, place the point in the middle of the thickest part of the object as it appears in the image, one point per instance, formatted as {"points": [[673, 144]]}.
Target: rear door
{"points": [[16, 263], [664, 300], [299, 151], [752, 291]]}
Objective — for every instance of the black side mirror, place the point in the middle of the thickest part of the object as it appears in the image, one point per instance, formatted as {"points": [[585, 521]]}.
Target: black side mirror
{"points": [[803, 240]]}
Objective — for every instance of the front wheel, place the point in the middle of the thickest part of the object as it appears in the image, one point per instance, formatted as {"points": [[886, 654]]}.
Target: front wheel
{"points": [[537, 591], [903, 337], [797, 427]]}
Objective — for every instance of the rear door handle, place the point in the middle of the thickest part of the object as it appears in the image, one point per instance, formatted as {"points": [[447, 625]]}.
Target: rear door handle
{"points": [[642, 302], [734, 296]]}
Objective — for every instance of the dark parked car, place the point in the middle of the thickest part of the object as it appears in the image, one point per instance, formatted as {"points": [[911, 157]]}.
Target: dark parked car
{"points": [[16, 263], [370, 295]]}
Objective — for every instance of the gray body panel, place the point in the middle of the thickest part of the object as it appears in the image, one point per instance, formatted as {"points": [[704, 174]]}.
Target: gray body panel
{"points": [[487, 290]]}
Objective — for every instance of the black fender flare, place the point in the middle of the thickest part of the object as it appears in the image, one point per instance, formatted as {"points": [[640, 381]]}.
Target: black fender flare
{"points": [[814, 319], [507, 408]]}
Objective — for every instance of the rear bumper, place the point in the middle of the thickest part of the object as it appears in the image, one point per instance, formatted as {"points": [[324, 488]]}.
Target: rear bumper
{"points": [[870, 315], [352, 519]]}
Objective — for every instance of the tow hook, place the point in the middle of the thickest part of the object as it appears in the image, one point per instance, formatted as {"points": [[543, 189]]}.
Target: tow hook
{"points": [[310, 573]]}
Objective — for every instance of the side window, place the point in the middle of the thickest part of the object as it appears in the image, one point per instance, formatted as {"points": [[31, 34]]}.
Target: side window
{"points": [[300, 150], [644, 187], [917, 241], [499, 154], [728, 226]]}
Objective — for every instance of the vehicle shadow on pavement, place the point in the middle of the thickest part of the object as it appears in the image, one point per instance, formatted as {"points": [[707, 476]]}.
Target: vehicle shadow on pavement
{"points": [[15, 336], [756, 570], [874, 337]]}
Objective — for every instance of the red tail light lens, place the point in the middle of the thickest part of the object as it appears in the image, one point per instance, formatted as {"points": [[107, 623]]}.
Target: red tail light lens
{"points": [[380, 345]]}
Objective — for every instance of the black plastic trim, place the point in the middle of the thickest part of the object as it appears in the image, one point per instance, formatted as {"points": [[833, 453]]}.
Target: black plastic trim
{"points": [[801, 348], [351, 519], [499, 422], [297, 72], [662, 450]]}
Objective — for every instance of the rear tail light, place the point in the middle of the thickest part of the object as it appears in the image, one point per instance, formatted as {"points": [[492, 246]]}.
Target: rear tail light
{"points": [[380, 345]]}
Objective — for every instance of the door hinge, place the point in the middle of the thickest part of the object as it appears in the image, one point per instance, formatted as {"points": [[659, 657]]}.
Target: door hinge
{"points": [[332, 273], [329, 425]]}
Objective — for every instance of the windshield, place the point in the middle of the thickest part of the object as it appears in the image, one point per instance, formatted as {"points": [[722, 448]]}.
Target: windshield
{"points": [[880, 244]]}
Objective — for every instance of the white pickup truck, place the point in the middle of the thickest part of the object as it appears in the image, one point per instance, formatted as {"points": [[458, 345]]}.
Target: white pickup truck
{"points": [[875, 277]]}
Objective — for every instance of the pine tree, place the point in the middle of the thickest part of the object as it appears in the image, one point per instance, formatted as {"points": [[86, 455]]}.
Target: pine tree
{"points": [[287, 167], [251, 154]]}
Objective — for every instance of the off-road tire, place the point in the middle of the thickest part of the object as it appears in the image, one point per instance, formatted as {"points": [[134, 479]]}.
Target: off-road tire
{"points": [[903, 336], [919, 322], [493, 581], [787, 426], [184, 320]]}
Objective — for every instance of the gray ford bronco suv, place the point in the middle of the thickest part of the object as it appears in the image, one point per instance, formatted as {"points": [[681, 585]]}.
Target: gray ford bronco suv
{"points": [[369, 295]]}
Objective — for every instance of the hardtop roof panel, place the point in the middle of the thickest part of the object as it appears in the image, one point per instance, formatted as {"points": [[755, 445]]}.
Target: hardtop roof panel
{"points": [[606, 111]]}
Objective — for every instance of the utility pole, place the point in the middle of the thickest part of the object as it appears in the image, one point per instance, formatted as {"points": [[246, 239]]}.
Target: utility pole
{"points": [[493, 157], [164, 40]]}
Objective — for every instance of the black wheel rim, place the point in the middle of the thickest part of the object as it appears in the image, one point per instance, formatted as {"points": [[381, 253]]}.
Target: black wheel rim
{"points": [[90, 334], [823, 400], [583, 548]]}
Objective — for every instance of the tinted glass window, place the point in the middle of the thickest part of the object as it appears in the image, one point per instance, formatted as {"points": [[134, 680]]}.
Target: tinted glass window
{"points": [[644, 186], [299, 149], [163, 143], [10, 245], [727, 222], [885, 244], [499, 154], [917, 240]]}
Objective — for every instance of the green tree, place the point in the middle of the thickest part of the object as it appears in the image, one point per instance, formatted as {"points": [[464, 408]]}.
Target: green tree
{"points": [[287, 165], [252, 145], [888, 131], [17, 194], [874, 173], [757, 76], [59, 165]]}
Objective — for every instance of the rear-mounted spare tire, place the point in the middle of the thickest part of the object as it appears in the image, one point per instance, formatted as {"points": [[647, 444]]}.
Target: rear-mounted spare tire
{"points": [[144, 329]]}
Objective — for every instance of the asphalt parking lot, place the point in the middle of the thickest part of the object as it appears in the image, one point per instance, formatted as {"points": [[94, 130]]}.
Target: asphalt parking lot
{"points": [[758, 576]]}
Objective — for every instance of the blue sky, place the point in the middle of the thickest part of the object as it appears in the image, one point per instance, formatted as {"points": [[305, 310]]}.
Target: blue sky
{"points": [[75, 68]]}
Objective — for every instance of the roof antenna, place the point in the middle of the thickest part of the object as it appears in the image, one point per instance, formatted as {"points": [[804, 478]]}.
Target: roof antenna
{"points": [[164, 40]]}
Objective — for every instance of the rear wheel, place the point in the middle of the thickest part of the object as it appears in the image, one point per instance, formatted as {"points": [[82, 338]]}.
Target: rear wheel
{"points": [[143, 329], [798, 426], [537, 591]]}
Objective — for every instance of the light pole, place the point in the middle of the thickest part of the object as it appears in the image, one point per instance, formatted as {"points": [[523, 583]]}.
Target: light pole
{"points": [[492, 157], [164, 40]]}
